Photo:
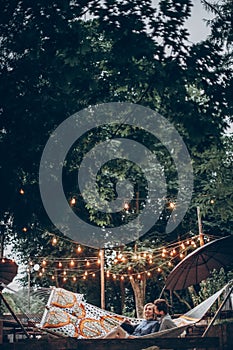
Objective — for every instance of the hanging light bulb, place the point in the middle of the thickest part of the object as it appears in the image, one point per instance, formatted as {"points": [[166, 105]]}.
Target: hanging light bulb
{"points": [[73, 201], [54, 241], [171, 205]]}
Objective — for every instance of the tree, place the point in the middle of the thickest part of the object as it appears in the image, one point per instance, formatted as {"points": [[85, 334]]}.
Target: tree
{"points": [[54, 62]]}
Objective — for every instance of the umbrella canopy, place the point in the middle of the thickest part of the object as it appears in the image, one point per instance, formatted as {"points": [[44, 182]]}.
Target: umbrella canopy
{"points": [[198, 265], [8, 270]]}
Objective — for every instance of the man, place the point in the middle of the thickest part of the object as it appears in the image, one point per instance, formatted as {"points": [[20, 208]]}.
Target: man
{"points": [[161, 310]]}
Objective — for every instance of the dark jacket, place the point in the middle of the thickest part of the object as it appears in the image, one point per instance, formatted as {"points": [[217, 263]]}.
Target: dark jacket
{"points": [[143, 328]]}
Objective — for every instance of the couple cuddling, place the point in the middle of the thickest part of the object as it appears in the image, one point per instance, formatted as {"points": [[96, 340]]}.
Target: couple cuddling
{"points": [[156, 318]]}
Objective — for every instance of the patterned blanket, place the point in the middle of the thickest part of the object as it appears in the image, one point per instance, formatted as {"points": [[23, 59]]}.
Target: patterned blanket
{"points": [[68, 314]]}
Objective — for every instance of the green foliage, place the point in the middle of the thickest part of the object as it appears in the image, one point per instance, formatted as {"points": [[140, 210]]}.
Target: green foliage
{"points": [[21, 304], [212, 284], [58, 58]]}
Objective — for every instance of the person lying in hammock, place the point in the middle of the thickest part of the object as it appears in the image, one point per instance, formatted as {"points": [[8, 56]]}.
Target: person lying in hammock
{"points": [[149, 325]]}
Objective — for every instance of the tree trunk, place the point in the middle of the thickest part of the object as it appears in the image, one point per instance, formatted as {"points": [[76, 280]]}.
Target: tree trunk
{"points": [[139, 288]]}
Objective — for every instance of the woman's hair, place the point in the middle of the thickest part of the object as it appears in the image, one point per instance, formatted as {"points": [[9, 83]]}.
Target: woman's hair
{"points": [[153, 306], [162, 305]]}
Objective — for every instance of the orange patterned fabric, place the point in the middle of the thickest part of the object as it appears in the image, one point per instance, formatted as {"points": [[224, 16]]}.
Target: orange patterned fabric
{"points": [[67, 314]]}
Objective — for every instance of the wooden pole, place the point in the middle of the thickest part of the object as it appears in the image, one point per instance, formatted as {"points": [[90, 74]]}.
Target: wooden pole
{"points": [[102, 280], [29, 287], [201, 236]]}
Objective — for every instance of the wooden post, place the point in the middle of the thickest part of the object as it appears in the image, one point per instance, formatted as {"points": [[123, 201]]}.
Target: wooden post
{"points": [[29, 287], [201, 236], [102, 280]]}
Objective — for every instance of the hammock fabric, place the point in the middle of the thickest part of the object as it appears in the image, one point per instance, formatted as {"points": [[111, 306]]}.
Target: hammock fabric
{"points": [[67, 314]]}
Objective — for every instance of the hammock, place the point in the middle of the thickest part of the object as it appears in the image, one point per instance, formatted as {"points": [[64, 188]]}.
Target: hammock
{"points": [[67, 314]]}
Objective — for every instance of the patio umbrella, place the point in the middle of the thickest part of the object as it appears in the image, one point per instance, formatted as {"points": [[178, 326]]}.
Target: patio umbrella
{"points": [[198, 265], [8, 270]]}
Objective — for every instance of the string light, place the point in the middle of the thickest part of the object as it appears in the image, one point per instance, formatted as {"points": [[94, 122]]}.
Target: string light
{"points": [[171, 205], [73, 201], [172, 249], [126, 206], [21, 191], [54, 241]]}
